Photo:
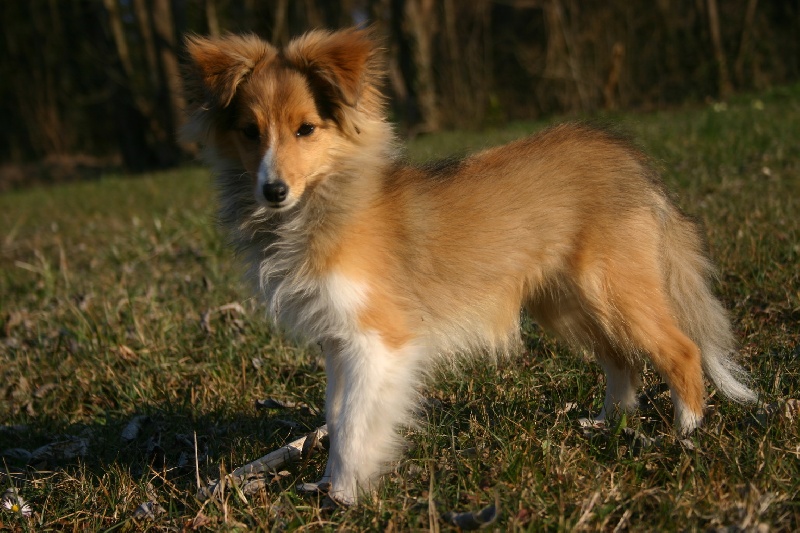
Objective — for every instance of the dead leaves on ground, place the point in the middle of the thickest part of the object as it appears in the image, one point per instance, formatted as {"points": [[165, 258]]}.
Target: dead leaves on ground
{"points": [[230, 313]]}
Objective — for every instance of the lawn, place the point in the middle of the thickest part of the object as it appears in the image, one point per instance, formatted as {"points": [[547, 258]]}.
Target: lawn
{"points": [[132, 358]]}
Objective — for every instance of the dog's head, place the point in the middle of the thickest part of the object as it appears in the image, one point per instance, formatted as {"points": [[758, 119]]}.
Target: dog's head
{"points": [[283, 115]]}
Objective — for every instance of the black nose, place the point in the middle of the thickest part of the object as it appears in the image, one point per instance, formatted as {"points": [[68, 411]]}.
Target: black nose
{"points": [[276, 192]]}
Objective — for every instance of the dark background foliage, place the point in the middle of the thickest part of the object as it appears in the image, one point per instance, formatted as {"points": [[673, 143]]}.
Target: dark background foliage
{"points": [[87, 84]]}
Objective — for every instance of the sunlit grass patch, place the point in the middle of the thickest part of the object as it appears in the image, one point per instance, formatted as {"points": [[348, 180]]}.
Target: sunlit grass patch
{"points": [[132, 358]]}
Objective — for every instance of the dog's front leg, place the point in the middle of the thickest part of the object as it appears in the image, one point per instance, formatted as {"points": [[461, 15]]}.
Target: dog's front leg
{"points": [[371, 390], [333, 395]]}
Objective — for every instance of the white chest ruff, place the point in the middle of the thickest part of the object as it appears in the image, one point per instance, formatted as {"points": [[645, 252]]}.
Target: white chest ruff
{"points": [[311, 306]]}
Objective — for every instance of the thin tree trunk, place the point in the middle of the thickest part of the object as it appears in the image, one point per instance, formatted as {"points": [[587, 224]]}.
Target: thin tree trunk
{"points": [[145, 29], [166, 43], [118, 33], [572, 56], [614, 73], [725, 87], [212, 20], [280, 32], [48, 112], [313, 16], [744, 46], [560, 60], [135, 111], [382, 11], [421, 25]]}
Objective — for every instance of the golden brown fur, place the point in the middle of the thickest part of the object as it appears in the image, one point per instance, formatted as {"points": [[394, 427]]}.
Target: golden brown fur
{"points": [[390, 265]]}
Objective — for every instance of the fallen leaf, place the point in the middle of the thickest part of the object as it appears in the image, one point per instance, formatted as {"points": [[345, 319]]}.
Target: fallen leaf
{"points": [[639, 437], [273, 403], [200, 521], [472, 519], [148, 511], [126, 353], [42, 390], [19, 454], [67, 449], [233, 306], [568, 407], [132, 429], [290, 424], [253, 486], [313, 487], [791, 409], [205, 323]]}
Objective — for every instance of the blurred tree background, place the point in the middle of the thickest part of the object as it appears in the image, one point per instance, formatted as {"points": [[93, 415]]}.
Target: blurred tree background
{"points": [[88, 84]]}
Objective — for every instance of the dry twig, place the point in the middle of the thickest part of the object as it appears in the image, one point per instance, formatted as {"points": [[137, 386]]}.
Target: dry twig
{"points": [[269, 463]]}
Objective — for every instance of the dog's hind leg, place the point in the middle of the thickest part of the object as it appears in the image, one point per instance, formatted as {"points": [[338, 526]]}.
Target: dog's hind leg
{"points": [[618, 309], [678, 361], [570, 315], [642, 323], [622, 383]]}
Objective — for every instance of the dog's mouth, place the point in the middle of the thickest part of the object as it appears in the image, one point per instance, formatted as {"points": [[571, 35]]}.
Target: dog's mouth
{"points": [[279, 207]]}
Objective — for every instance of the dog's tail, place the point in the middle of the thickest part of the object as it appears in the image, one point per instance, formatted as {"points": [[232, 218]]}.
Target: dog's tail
{"points": [[700, 314]]}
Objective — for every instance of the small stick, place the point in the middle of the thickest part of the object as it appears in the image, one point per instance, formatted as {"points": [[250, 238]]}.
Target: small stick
{"points": [[269, 463]]}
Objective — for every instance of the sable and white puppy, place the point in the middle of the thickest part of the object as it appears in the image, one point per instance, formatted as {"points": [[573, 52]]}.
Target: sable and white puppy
{"points": [[389, 266]]}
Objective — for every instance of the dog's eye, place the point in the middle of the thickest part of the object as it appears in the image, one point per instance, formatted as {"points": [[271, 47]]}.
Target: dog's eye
{"points": [[305, 129], [251, 132]]}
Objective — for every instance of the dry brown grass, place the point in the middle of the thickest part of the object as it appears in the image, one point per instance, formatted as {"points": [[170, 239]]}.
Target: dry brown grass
{"points": [[113, 304]]}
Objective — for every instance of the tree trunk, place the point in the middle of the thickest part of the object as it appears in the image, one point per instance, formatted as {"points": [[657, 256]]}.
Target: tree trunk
{"points": [[212, 20], [172, 87], [744, 46], [314, 18], [145, 29], [280, 31], [725, 87], [421, 28], [614, 73]]}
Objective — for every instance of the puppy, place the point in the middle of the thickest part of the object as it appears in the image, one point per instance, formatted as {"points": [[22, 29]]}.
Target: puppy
{"points": [[390, 266]]}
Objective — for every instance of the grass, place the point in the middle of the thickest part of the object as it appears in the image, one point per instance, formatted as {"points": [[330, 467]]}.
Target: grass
{"points": [[113, 305]]}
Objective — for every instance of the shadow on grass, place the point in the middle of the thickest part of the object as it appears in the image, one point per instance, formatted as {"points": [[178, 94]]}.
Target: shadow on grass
{"points": [[175, 446]]}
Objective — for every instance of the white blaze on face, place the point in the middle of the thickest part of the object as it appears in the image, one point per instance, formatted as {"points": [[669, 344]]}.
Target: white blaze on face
{"points": [[266, 174]]}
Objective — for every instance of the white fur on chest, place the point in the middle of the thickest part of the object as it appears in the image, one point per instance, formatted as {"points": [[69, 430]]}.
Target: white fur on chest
{"points": [[309, 306], [344, 295]]}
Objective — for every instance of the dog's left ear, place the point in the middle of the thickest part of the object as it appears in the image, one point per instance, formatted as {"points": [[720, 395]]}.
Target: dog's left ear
{"points": [[217, 66], [342, 64]]}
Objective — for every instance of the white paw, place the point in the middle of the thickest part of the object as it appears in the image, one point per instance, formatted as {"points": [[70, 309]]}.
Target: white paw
{"points": [[342, 497], [686, 420]]}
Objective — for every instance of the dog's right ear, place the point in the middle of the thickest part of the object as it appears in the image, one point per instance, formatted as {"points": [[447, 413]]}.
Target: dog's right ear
{"points": [[218, 65]]}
